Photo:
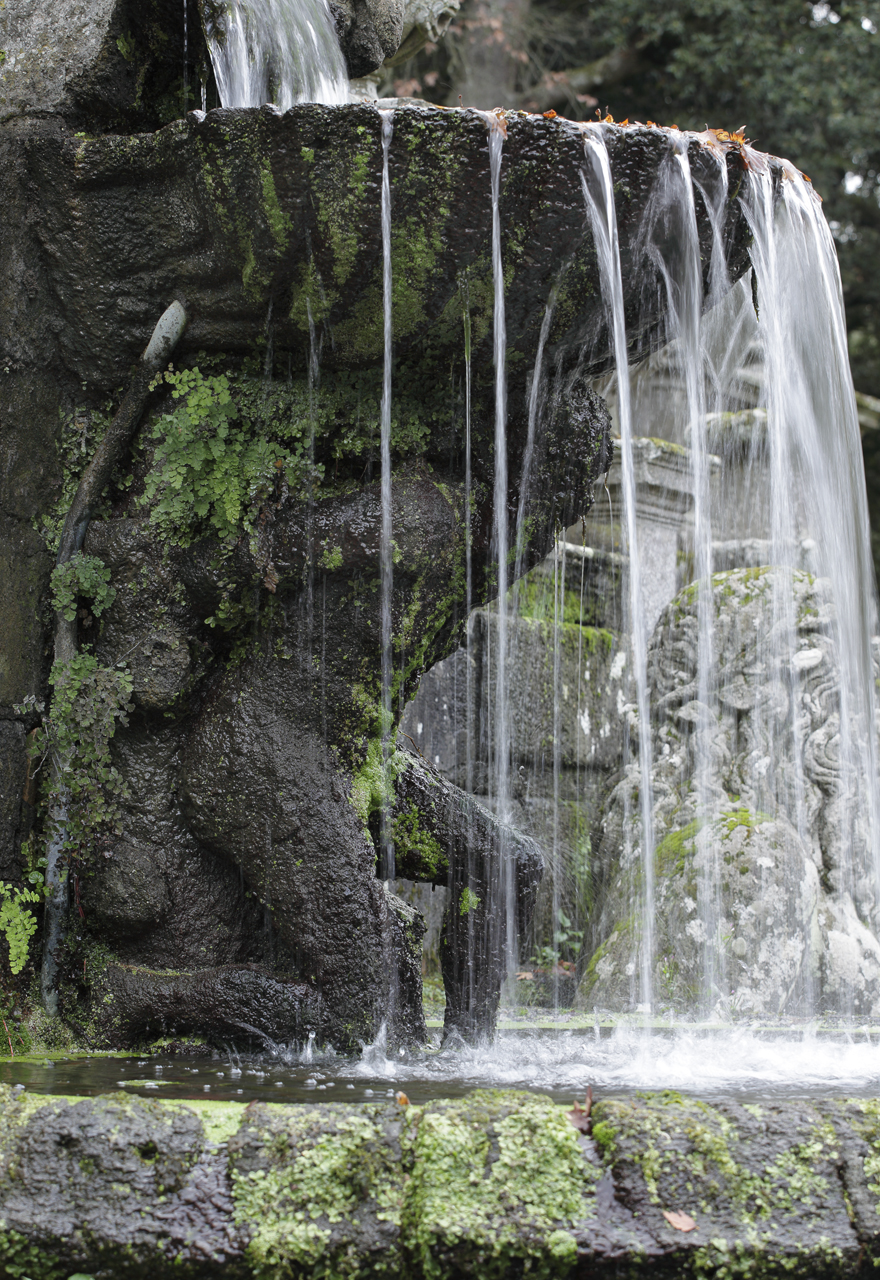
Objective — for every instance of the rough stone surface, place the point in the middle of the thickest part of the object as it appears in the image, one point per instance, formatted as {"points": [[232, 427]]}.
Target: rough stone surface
{"points": [[185, 230], [16, 815], [101, 64], [495, 1184], [369, 31], [256, 784]]}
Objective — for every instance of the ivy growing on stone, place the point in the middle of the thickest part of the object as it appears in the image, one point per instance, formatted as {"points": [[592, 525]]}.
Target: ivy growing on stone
{"points": [[88, 702], [236, 441], [81, 576], [81, 431], [18, 924]]}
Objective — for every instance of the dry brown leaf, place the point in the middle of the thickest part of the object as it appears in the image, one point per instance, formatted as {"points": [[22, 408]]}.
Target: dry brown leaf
{"points": [[579, 1116], [681, 1221]]}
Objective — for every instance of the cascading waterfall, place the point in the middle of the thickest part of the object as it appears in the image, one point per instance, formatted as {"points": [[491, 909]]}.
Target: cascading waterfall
{"points": [[804, 749], [814, 439], [599, 195], [386, 565], [281, 51]]}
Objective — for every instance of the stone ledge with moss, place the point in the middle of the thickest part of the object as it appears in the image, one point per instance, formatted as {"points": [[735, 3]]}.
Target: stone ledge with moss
{"points": [[495, 1185]]}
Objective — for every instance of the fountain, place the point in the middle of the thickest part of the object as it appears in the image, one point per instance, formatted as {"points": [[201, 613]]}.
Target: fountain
{"points": [[363, 500]]}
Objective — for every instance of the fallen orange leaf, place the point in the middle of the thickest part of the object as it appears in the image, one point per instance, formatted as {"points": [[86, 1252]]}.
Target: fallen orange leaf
{"points": [[580, 1116], [681, 1221]]}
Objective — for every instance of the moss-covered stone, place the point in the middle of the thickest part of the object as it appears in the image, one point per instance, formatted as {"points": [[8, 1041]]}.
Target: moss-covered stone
{"points": [[496, 1185]]}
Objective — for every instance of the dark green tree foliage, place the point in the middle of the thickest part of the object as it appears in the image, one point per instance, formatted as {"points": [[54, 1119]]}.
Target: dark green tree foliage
{"points": [[803, 78]]}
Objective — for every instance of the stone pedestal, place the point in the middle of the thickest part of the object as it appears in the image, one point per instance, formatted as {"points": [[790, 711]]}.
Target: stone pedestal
{"points": [[664, 512]]}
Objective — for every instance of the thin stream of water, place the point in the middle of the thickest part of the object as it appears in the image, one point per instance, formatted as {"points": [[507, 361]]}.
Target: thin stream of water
{"points": [[386, 564], [314, 374], [529, 453], [682, 274], [470, 727], [500, 710], [599, 196], [185, 57]]}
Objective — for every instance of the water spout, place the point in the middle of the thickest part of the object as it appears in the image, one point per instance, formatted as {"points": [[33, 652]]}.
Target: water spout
{"points": [[281, 51]]}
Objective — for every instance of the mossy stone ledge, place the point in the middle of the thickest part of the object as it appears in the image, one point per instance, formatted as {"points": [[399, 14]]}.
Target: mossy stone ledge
{"points": [[495, 1185]]}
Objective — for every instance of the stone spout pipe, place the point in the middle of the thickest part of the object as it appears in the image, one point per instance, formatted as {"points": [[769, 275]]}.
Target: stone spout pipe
{"points": [[95, 479]]}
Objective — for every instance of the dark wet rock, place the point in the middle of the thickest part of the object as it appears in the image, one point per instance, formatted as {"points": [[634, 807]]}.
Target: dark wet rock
{"points": [[101, 64], [261, 787], [369, 32], [243, 1003], [127, 1184], [307, 178], [444, 836], [16, 815], [126, 895], [268, 777], [722, 1166], [407, 928], [498, 1183]]}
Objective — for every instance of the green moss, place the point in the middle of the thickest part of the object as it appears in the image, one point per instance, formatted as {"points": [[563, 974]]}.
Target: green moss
{"points": [[279, 222], [20, 1257], [468, 902], [496, 1180], [674, 850], [331, 558], [740, 817], [220, 1120], [415, 843], [322, 1167], [372, 786], [536, 598]]}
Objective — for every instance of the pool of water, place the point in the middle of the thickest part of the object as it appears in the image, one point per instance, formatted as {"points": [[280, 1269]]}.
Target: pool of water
{"points": [[712, 1063]]}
